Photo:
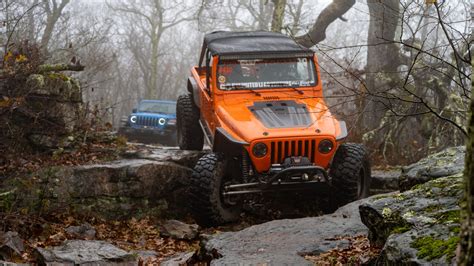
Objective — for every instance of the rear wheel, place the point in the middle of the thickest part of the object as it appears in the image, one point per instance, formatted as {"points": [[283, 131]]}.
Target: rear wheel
{"points": [[189, 133], [350, 172], [209, 207]]}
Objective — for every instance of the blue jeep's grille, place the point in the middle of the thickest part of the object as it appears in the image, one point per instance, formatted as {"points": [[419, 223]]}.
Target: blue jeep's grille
{"points": [[148, 121]]}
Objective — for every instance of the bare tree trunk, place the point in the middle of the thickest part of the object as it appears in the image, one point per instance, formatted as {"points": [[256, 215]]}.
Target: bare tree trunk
{"points": [[466, 247], [155, 42], [382, 57], [278, 15], [317, 33], [53, 12]]}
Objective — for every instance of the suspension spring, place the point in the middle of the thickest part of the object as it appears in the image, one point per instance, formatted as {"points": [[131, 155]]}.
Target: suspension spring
{"points": [[245, 166]]}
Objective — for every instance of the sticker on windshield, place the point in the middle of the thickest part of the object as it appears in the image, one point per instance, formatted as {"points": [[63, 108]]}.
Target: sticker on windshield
{"points": [[222, 79]]}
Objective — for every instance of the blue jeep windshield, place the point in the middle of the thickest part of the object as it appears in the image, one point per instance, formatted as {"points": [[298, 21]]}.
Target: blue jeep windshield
{"points": [[266, 73], [159, 108]]}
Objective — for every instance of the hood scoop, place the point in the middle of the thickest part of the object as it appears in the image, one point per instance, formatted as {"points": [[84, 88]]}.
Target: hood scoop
{"points": [[281, 114]]}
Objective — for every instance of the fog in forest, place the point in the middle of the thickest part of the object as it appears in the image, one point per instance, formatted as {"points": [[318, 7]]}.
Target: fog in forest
{"points": [[353, 118]]}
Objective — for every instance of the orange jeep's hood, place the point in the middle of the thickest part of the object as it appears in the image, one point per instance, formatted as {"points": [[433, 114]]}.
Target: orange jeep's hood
{"points": [[258, 118]]}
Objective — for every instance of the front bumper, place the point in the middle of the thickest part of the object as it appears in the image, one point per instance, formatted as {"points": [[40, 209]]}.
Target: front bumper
{"points": [[149, 131], [290, 178]]}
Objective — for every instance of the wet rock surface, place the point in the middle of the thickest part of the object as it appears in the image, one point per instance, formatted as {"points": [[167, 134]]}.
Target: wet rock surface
{"points": [[286, 241], [445, 163], [169, 154], [74, 252]]}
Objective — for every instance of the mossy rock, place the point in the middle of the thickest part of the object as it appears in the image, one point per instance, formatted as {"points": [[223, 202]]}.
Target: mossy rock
{"points": [[431, 248], [442, 164], [55, 85], [418, 226]]}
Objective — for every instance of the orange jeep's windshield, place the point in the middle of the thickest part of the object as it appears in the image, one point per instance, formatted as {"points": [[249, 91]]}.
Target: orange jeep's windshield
{"points": [[266, 73]]}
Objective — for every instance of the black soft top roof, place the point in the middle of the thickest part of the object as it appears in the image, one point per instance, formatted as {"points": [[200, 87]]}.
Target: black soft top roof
{"points": [[226, 43]]}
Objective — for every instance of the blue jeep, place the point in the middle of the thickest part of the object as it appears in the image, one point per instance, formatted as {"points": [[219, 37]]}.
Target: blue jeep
{"points": [[152, 121]]}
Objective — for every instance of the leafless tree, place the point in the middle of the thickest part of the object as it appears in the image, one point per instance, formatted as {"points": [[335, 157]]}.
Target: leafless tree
{"points": [[147, 21]]}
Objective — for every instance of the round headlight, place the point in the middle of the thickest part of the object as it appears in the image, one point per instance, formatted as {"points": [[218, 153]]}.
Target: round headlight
{"points": [[325, 146], [162, 121], [133, 119], [259, 149]]}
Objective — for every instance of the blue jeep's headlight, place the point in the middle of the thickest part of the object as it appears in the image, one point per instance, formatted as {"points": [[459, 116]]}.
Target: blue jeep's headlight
{"points": [[133, 119], [172, 122]]}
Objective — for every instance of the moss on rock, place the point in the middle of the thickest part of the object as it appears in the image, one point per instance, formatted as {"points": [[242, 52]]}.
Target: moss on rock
{"points": [[431, 248]]}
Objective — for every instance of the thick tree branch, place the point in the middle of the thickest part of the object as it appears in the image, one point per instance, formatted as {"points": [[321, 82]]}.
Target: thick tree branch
{"points": [[317, 33]]}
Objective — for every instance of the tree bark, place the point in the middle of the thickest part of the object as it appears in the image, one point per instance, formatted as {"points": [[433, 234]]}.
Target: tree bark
{"points": [[317, 33], [466, 247], [278, 15], [382, 57]]}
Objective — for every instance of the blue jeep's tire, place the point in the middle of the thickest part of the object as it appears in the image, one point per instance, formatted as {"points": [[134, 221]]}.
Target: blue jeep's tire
{"points": [[350, 172], [208, 206], [189, 133]]}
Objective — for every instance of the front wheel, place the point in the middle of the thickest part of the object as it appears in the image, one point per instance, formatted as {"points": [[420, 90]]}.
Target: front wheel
{"points": [[350, 172], [208, 205]]}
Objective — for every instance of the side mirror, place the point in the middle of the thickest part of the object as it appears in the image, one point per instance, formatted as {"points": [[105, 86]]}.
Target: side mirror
{"points": [[134, 110]]}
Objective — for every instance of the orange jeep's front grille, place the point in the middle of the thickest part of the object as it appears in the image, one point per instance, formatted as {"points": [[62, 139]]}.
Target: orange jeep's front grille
{"points": [[279, 150]]}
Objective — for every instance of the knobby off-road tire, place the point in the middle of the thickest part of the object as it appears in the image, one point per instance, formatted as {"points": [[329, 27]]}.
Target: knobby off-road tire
{"points": [[350, 172], [190, 135], [207, 204]]}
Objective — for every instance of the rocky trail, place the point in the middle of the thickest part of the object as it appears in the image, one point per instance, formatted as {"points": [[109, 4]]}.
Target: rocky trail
{"points": [[142, 195]]}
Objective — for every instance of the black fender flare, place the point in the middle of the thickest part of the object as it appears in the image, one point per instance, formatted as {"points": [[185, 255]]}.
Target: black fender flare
{"points": [[194, 90], [224, 142]]}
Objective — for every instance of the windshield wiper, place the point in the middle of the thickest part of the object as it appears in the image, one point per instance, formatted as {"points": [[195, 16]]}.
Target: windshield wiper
{"points": [[242, 87], [256, 92], [299, 91], [287, 84]]}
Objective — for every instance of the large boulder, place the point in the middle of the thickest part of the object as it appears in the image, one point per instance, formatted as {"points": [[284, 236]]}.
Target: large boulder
{"points": [[419, 226], [119, 189], [83, 252], [286, 242], [445, 163]]}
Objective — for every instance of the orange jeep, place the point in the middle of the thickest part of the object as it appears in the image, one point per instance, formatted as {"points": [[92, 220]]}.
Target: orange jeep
{"points": [[256, 99]]}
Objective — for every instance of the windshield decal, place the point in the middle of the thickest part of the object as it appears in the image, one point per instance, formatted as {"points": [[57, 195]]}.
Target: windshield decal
{"points": [[266, 73], [268, 84]]}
